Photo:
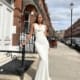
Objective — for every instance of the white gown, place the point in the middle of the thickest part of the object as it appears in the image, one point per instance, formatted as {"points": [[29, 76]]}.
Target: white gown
{"points": [[42, 47]]}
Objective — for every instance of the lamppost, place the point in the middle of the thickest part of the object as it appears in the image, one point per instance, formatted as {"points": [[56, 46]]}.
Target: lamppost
{"points": [[71, 7]]}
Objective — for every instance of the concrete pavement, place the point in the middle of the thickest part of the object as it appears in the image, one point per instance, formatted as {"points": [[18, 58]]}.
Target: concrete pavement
{"points": [[64, 63]]}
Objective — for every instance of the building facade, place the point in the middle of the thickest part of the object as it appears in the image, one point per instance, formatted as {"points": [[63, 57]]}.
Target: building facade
{"points": [[75, 30], [16, 16], [60, 34]]}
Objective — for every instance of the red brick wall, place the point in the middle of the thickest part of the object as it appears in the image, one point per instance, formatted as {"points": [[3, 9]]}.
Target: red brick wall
{"points": [[17, 21]]}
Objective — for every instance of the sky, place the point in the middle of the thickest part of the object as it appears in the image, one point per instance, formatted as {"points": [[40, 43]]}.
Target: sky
{"points": [[60, 13]]}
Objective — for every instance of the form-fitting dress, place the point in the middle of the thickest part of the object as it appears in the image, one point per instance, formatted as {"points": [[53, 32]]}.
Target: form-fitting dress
{"points": [[42, 47]]}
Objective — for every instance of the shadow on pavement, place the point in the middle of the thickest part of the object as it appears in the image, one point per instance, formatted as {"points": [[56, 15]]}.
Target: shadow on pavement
{"points": [[14, 67]]}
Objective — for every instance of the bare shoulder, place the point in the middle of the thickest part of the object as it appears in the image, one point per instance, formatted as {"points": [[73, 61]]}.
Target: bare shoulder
{"points": [[45, 25], [33, 24]]}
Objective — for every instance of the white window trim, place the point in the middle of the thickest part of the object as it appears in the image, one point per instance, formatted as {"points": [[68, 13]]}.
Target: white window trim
{"points": [[10, 6], [4, 7]]}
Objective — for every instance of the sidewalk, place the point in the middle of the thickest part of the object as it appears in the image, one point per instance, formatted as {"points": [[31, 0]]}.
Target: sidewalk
{"points": [[64, 64]]}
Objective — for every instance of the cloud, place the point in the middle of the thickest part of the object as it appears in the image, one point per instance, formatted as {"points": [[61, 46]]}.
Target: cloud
{"points": [[62, 3], [60, 12]]}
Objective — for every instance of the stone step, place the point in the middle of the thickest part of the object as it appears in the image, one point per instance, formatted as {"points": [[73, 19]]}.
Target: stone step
{"points": [[2, 55], [9, 77], [29, 55], [5, 60]]}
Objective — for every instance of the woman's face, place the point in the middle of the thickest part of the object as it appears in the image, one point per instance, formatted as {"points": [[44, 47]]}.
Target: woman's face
{"points": [[40, 19]]}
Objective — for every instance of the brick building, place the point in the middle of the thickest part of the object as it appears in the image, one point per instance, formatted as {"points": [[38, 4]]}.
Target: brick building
{"points": [[20, 14], [75, 30]]}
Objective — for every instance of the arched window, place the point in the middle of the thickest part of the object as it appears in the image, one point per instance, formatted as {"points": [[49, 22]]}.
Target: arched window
{"points": [[26, 22]]}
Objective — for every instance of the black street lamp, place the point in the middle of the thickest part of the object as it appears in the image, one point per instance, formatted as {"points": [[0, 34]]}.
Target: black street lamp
{"points": [[71, 7]]}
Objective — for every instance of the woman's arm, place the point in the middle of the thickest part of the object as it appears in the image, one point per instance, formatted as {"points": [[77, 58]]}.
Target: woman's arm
{"points": [[29, 36], [47, 31]]}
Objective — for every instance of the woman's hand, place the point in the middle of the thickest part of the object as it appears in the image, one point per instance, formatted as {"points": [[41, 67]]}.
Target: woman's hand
{"points": [[24, 43], [28, 37]]}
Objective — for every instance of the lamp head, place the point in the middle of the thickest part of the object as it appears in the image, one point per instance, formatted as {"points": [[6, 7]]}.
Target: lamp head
{"points": [[71, 5]]}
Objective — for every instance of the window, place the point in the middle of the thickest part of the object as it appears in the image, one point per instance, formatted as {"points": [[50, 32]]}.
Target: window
{"points": [[7, 25], [26, 23], [1, 21], [9, 1]]}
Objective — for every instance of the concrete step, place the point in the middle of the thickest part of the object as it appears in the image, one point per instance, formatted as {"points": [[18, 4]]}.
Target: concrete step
{"points": [[2, 55], [29, 55], [5, 60], [9, 77]]}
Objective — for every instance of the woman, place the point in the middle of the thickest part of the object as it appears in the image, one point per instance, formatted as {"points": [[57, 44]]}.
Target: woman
{"points": [[42, 47]]}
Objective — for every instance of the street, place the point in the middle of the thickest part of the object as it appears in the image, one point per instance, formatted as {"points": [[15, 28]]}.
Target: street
{"points": [[64, 64]]}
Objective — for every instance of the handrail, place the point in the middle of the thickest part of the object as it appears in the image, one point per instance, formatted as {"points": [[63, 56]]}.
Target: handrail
{"points": [[12, 51]]}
